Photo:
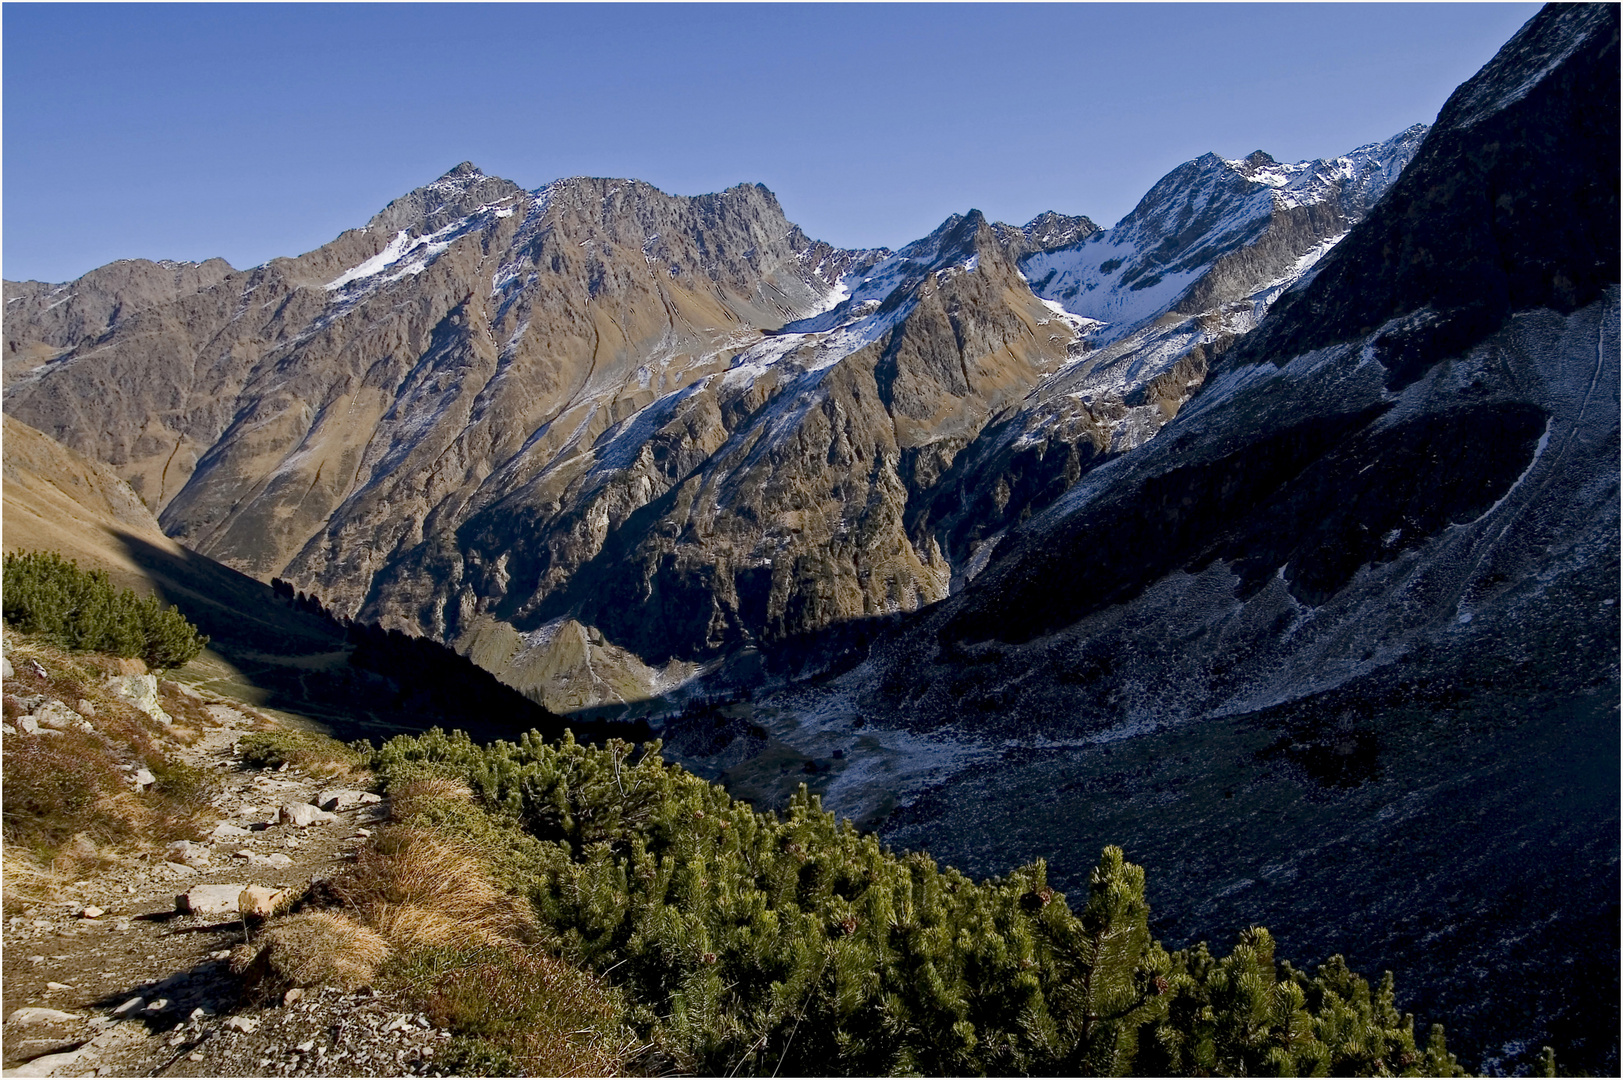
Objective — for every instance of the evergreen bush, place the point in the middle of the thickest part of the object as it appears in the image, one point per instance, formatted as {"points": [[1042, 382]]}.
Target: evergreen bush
{"points": [[746, 942], [47, 595]]}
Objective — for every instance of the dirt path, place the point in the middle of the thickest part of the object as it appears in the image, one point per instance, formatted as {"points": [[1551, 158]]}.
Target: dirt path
{"points": [[138, 989]]}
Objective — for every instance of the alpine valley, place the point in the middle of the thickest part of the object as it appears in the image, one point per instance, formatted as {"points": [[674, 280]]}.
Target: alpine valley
{"points": [[1271, 533]]}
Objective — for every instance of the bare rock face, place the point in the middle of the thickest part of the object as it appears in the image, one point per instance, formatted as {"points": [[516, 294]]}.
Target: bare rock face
{"points": [[43, 321]]}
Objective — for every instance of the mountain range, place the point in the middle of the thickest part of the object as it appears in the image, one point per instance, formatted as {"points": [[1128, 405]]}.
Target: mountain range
{"points": [[669, 427], [1271, 533]]}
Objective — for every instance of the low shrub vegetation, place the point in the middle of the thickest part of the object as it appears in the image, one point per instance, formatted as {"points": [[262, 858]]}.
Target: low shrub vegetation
{"points": [[717, 940], [49, 596], [310, 751]]}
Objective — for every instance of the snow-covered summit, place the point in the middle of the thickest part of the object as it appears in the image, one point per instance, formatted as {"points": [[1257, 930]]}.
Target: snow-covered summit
{"points": [[1199, 213]]}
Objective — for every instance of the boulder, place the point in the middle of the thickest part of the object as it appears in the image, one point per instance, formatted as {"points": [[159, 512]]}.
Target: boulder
{"points": [[58, 717], [30, 1016], [260, 900], [186, 852], [140, 691], [303, 815], [209, 900], [6, 671], [345, 798], [49, 1064]]}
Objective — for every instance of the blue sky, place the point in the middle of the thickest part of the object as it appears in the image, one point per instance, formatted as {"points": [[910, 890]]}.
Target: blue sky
{"points": [[251, 131]]}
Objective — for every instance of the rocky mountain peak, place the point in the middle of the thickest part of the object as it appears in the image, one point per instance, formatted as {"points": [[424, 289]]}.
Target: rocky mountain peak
{"points": [[455, 195]]}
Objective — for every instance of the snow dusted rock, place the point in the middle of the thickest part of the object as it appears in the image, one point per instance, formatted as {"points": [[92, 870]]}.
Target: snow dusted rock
{"points": [[209, 900], [189, 853], [303, 815], [30, 1016], [336, 799], [260, 900], [57, 716], [140, 691]]}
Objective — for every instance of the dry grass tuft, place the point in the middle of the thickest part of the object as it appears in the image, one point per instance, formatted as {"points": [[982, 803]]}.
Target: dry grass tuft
{"points": [[420, 796], [320, 948], [27, 881], [422, 891]]}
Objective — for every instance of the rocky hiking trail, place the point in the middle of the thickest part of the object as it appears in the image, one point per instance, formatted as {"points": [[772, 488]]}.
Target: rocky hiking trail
{"points": [[127, 972]]}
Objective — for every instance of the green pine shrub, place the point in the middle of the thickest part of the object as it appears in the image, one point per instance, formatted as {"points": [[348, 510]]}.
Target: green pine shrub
{"points": [[49, 596], [749, 943]]}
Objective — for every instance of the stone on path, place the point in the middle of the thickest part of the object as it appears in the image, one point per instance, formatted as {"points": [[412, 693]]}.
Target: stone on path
{"points": [[33, 1015], [186, 852], [260, 900], [210, 900], [344, 798], [302, 815]]}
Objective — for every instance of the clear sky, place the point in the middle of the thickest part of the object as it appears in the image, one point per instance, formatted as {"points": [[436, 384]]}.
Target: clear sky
{"points": [[251, 131]]}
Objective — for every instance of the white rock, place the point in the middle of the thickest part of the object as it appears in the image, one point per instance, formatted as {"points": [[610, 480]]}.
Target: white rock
{"points": [[303, 815], [210, 900], [6, 671], [157, 1005], [277, 859], [243, 1024], [28, 724], [29, 1016], [134, 1004], [194, 855], [58, 717], [344, 798], [225, 829], [92, 912], [143, 779], [140, 691], [58, 986]]}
